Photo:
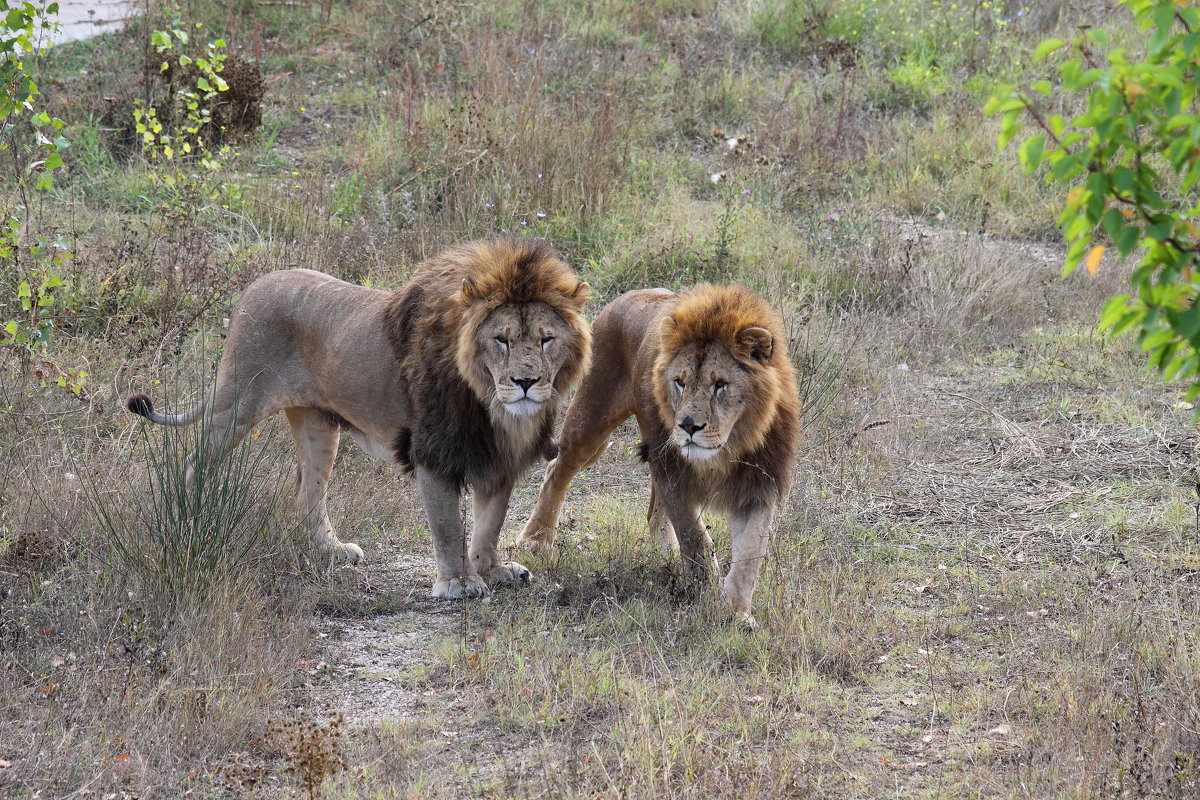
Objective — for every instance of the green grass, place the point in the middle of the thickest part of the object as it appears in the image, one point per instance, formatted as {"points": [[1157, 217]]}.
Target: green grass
{"points": [[976, 454]]}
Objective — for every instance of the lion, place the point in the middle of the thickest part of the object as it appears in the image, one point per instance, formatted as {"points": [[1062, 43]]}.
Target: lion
{"points": [[455, 378], [708, 377]]}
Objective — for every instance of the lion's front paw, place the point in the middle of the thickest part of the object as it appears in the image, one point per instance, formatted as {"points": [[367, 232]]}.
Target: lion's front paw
{"points": [[745, 621], [507, 572], [536, 538], [539, 547], [459, 588], [347, 553]]}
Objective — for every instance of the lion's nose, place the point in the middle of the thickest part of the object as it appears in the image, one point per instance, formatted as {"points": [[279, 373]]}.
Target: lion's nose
{"points": [[689, 425], [525, 383]]}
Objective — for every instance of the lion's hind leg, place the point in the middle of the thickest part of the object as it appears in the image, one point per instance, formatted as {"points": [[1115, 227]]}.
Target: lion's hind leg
{"points": [[317, 438], [226, 419]]}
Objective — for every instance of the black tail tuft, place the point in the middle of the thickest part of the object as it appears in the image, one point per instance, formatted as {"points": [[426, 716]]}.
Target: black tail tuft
{"points": [[550, 449], [140, 404], [643, 451]]}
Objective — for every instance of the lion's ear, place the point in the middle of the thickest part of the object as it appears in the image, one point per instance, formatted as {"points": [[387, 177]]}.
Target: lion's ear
{"points": [[756, 343], [470, 292], [666, 326], [582, 293]]}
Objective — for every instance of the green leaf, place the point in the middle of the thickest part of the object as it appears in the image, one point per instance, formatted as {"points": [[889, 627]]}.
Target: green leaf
{"points": [[1160, 230], [1181, 366], [1047, 47], [1075, 253], [1127, 240], [1030, 153], [1112, 222], [1188, 323]]}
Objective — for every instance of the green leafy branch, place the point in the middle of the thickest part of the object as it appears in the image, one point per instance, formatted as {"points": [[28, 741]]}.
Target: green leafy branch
{"points": [[30, 263], [177, 130], [1131, 161]]}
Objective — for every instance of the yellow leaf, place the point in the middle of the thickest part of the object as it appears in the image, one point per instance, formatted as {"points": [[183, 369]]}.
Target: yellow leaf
{"points": [[1093, 259], [1076, 197]]}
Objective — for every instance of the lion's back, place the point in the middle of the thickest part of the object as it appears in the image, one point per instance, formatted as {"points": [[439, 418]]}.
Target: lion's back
{"points": [[624, 334], [299, 300]]}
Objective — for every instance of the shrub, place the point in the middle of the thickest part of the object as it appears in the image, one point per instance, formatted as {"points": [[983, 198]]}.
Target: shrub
{"points": [[178, 539], [1131, 161]]}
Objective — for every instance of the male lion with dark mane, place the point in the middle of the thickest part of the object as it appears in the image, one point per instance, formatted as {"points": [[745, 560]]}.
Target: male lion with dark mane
{"points": [[708, 377], [455, 377]]}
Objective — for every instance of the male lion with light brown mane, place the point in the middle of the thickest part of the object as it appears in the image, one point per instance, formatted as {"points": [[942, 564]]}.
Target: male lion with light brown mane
{"points": [[708, 377], [455, 377]]}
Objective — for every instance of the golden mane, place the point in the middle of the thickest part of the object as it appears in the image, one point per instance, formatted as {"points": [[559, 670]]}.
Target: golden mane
{"points": [[444, 306], [710, 313]]}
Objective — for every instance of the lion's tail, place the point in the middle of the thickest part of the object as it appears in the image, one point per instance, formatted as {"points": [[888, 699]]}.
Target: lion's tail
{"points": [[140, 404]]}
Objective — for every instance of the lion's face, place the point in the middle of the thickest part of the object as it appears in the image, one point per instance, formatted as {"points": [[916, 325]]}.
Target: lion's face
{"points": [[523, 346], [709, 394], [707, 389]]}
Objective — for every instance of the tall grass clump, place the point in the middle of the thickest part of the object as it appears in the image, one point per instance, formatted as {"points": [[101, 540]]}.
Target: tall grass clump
{"points": [[179, 540]]}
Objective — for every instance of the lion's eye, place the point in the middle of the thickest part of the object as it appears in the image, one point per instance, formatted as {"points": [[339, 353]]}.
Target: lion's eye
{"points": [[679, 384], [718, 386], [547, 340], [502, 340]]}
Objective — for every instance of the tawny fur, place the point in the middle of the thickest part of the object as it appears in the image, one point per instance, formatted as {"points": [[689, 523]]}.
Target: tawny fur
{"points": [[636, 339], [414, 378]]}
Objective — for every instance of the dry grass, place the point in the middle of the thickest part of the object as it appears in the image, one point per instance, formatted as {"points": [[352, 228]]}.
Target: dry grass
{"points": [[984, 585]]}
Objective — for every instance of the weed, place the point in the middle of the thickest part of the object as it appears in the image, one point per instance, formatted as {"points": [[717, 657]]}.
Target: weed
{"points": [[311, 746], [196, 522]]}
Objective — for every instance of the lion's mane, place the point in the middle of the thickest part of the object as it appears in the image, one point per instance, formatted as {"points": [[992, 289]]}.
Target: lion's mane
{"points": [[762, 445]]}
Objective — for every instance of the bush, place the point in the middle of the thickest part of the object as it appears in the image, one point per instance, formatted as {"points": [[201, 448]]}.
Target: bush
{"points": [[1131, 161]]}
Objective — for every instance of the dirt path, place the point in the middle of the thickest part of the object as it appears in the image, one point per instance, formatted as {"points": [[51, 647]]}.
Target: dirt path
{"points": [[386, 626], [359, 669]]}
